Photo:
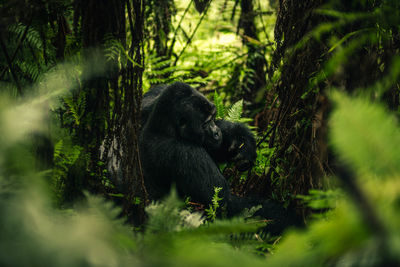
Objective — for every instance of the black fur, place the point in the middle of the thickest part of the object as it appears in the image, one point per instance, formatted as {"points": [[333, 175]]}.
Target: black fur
{"points": [[172, 152], [172, 146], [238, 144], [149, 99]]}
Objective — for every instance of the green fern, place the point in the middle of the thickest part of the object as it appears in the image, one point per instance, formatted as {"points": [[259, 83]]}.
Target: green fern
{"points": [[115, 51], [322, 200], [160, 70], [264, 154], [219, 104], [32, 37], [235, 112], [31, 69], [76, 108], [168, 216], [212, 210], [64, 156]]}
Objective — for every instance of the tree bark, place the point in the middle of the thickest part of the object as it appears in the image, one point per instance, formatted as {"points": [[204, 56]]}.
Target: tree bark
{"points": [[297, 119], [256, 59], [111, 121]]}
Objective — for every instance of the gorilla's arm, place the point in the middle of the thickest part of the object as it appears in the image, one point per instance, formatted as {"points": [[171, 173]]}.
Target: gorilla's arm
{"points": [[199, 175], [167, 162], [199, 180], [238, 145]]}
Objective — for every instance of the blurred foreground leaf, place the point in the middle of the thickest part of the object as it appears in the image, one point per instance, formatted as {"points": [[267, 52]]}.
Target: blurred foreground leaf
{"points": [[365, 135]]}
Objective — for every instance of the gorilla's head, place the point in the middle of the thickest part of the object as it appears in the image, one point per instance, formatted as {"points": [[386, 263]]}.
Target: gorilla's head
{"points": [[183, 113]]}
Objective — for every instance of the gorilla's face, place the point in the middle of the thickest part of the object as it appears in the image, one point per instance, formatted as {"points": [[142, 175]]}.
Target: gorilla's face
{"points": [[197, 121], [213, 134]]}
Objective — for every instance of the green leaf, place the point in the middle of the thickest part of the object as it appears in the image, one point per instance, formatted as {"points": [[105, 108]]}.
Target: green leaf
{"points": [[235, 112], [345, 38], [219, 105], [365, 135]]}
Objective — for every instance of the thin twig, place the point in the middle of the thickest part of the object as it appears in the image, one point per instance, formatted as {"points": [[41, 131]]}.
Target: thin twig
{"points": [[9, 63], [193, 33], [19, 44], [266, 135], [262, 20], [177, 28], [234, 10]]}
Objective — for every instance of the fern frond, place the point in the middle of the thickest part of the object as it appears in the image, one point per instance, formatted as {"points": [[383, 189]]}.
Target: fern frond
{"points": [[219, 106], [164, 70], [32, 37], [235, 112], [29, 69], [194, 80], [76, 108]]}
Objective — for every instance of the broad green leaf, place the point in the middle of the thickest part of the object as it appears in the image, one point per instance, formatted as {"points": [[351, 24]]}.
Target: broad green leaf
{"points": [[365, 135]]}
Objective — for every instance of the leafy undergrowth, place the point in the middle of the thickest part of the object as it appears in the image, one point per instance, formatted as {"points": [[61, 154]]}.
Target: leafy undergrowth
{"points": [[35, 233]]}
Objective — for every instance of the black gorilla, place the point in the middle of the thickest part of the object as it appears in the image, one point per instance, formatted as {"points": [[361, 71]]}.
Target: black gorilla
{"points": [[172, 146], [172, 151], [238, 144]]}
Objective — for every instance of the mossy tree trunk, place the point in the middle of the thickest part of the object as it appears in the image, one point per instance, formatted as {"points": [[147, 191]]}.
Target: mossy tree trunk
{"points": [[99, 20], [295, 117], [111, 118]]}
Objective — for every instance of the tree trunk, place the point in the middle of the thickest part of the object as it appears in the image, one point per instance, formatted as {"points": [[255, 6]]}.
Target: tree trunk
{"points": [[298, 117], [298, 122], [111, 122], [100, 19], [133, 176], [256, 80]]}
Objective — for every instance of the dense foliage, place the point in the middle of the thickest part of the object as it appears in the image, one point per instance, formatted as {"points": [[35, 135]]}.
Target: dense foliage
{"points": [[317, 82]]}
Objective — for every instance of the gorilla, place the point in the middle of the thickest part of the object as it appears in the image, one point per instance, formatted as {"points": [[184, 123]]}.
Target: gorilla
{"points": [[172, 145], [178, 131], [238, 144]]}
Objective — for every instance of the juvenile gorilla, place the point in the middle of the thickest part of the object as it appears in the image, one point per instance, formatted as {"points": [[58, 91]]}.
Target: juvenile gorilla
{"points": [[238, 145], [172, 151]]}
